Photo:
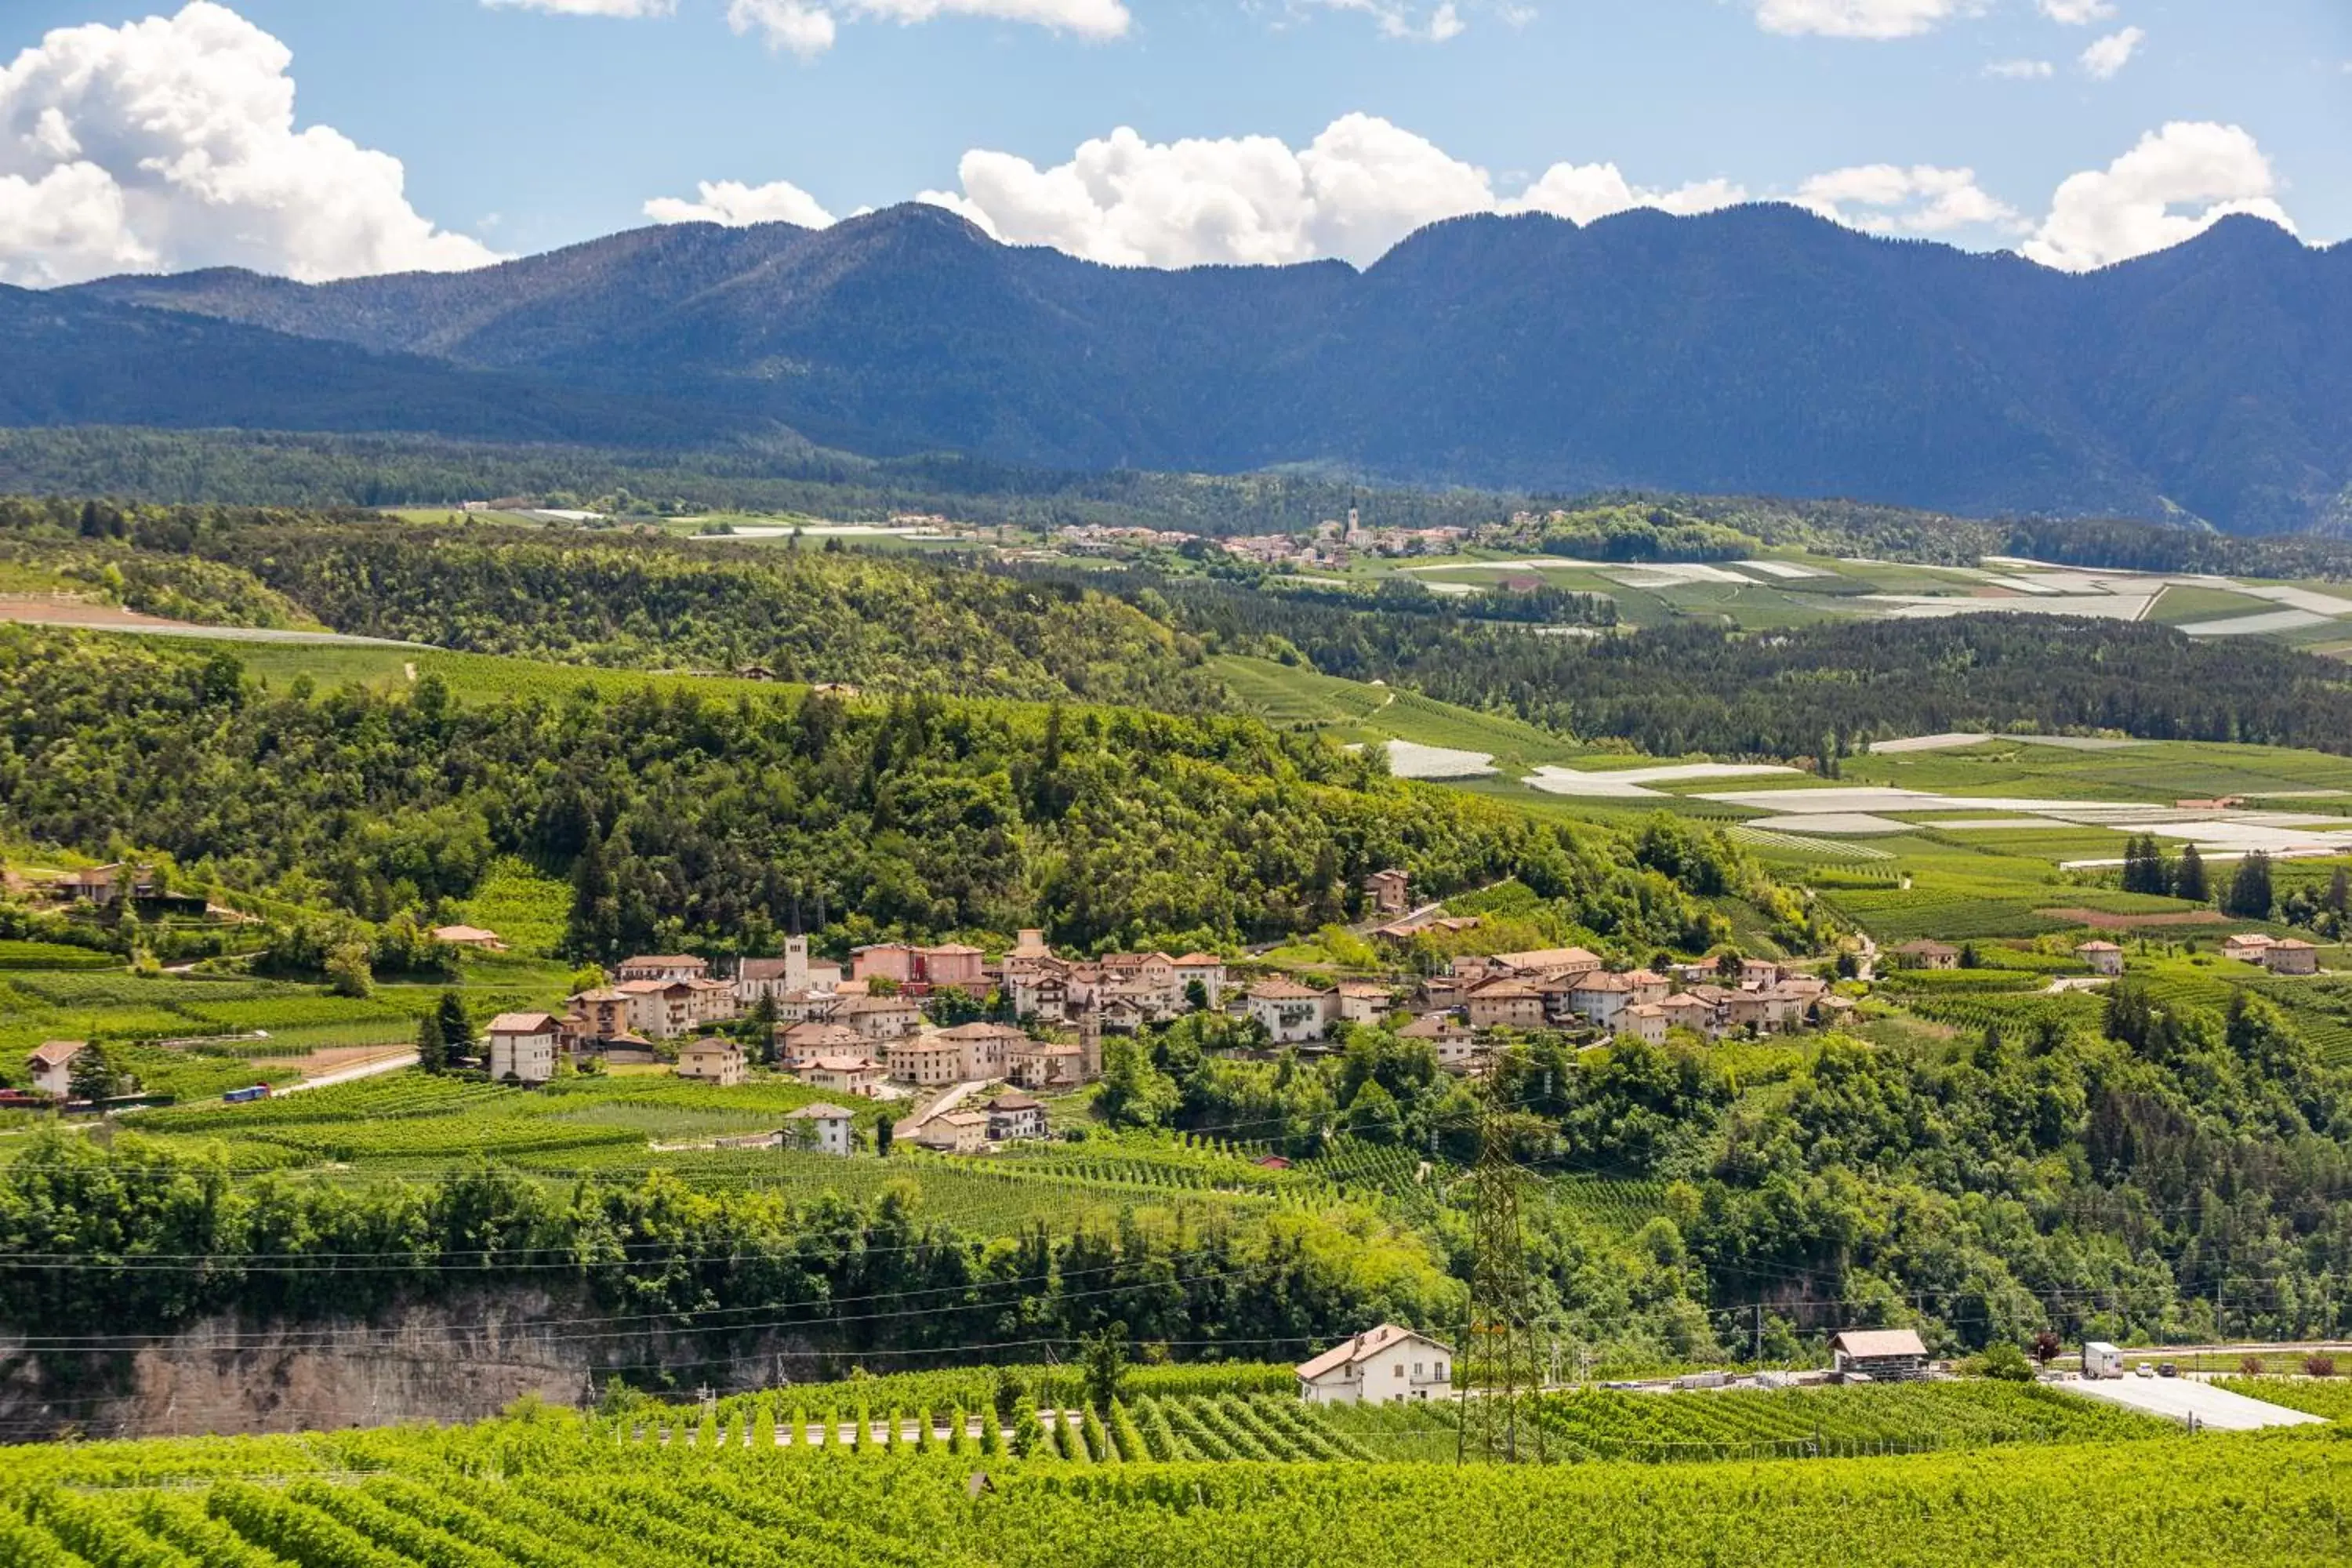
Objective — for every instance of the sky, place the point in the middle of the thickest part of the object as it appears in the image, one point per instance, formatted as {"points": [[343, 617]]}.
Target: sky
{"points": [[330, 138]]}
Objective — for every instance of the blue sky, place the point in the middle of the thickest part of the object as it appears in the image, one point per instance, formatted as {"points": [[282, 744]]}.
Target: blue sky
{"points": [[518, 128]]}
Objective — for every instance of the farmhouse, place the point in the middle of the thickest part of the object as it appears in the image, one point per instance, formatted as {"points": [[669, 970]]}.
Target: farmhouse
{"points": [[523, 1046], [1884, 1355], [474, 937], [51, 1066], [1290, 1012], [857, 1075], [107, 885], [712, 1060], [2101, 957], [2291, 956], [1645, 1021], [1385, 1366], [2247, 947], [1927, 954], [822, 1127]]}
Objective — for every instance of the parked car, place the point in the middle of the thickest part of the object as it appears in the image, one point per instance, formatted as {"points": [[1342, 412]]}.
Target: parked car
{"points": [[2144, 1370], [2166, 1369]]}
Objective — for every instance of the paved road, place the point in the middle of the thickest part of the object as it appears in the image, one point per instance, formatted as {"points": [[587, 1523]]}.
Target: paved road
{"points": [[376, 1068]]}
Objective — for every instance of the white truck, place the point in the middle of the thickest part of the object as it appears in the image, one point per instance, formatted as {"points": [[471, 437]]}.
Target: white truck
{"points": [[2101, 1359]]}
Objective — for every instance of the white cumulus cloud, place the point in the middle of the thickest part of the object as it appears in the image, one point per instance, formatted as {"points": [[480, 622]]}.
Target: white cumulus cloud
{"points": [[590, 7], [2076, 13], [1859, 18], [736, 205], [1887, 198], [1363, 185], [2107, 55], [2022, 70], [2178, 183], [808, 27], [170, 142]]}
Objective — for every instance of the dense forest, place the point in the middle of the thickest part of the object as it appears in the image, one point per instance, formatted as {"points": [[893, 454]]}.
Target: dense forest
{"points": [[684, 819]]}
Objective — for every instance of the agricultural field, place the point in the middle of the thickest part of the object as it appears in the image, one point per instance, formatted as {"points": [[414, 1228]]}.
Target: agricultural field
{"points": [[1782, 589], [838, 1474]]}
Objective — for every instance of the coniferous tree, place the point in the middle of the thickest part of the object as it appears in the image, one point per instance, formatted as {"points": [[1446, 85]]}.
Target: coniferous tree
{"points": [[2250, 893], [456, 1029], [432, 1049], [2188, 879]]}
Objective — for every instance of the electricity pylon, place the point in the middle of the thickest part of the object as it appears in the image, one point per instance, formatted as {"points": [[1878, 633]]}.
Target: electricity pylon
{"points": [[1499, 1360]]}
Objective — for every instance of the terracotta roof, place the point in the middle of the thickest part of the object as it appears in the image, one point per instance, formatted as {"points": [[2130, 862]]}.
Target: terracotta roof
{"points": [[2098, 947], [2295, 942], [462, 933], [981, 1032], [522, 1023], [1369, 1342], [1013, 1099], [57, 1053], [1608, 984], [1282, 990], [1927, 944], [711, 1042], [762, 969], [1363, 988], [845, 1064], [820, 1112], [603, 994], [643, 988], [665, 961], [2253, 939], [1199, 961], [1045, 1048], [955, 947], [1874, 1342], [1507, 989]]}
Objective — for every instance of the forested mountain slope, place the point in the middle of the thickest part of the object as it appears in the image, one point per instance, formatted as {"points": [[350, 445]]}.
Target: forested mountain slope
{"points": [[682, 818], [1755, 350]]}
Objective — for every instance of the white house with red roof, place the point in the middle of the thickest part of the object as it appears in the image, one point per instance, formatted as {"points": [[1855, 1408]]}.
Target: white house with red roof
{"points": [[1387, 1366]]}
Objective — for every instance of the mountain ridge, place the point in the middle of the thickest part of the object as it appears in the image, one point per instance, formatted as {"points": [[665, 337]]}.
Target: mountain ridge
{"points": [[1758, 349]]}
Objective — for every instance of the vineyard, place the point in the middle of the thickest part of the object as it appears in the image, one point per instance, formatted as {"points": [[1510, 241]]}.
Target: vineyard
{"points": [[1168, 1481]]}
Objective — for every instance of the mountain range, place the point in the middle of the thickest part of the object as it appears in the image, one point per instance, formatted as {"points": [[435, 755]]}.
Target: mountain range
{"points": [[1755, 350]]}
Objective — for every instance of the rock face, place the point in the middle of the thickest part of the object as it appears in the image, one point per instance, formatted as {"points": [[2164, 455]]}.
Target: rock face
{"points": [[445, 1361]]}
